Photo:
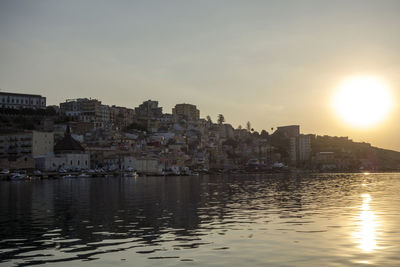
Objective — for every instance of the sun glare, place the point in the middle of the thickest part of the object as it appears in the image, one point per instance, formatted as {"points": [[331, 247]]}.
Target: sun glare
{"points": [[362, 101]]}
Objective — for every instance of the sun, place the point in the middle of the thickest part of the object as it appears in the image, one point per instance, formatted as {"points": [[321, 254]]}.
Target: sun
{"points": [[362, 101]]}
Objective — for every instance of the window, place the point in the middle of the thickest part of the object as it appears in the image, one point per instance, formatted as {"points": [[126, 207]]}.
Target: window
{"points": [[79, 162], [71, 162]]}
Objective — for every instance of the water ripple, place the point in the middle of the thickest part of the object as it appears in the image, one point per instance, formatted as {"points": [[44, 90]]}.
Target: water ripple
{"points": [[309, 219]]}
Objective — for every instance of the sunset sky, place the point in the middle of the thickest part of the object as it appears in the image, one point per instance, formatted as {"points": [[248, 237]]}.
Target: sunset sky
{"points": [[268, 62]]}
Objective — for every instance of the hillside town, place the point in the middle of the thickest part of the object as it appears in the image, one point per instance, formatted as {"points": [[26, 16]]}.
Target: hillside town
{"points": [[86, 136]]}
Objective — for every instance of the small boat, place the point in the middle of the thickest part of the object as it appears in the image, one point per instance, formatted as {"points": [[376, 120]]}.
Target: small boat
{"points": [[83, 175], [4, 171], [69, 176], [17, 176], [131, 174]]}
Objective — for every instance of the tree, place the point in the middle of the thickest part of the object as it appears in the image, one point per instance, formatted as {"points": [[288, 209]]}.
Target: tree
{"points": [[209, 119], [240, 127], [248, 126], [221, 119], [264, 134]]}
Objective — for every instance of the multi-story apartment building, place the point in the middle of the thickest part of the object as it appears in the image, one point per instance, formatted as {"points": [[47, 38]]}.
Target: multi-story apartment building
{"points": [[293, 150], [121, 117], [304, 147], [87, 110], [288, 131], [299, 144], [29, 143], [149, 109], [19, 101], [105, 116], [187, 110]]}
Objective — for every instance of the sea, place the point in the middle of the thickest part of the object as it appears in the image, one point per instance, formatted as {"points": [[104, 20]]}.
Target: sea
{"points": [[307, 219]]}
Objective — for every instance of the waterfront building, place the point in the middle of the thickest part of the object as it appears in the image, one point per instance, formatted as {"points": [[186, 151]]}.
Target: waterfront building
{"points": [[19, 101], [304, 147], [128, 162], [19, 163], [298, 146], [293, 150], [325, 160], [98, 155], [68, 154], [149, 166], [187, 111], [27, 143]]}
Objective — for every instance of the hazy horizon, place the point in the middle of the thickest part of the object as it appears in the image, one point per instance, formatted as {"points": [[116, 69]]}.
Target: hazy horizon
{"points": [[272, 63]]}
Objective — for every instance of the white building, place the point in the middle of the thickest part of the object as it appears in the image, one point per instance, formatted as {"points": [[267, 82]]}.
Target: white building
{"points": [[18, 101], [128, 162], [69, 155], [70, 162], [149, 166]]}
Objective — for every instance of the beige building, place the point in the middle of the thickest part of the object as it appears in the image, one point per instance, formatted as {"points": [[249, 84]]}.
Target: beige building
{"points": [[23, 162], [29, 143], [187, 110], [87, 110], [121, 117]]}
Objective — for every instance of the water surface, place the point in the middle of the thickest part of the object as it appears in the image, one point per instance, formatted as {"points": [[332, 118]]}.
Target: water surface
{"points": [[255, 220]]}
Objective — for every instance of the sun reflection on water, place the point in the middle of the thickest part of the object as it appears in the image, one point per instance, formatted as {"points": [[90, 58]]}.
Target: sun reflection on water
{"points": [[366, 236]]}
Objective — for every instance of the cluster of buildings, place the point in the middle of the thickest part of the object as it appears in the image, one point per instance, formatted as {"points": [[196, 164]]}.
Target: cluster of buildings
{"points": [[96, 114], [87, 134]]}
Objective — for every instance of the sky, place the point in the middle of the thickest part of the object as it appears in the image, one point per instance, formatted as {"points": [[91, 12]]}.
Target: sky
{"points": [[272, 63]]}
